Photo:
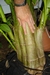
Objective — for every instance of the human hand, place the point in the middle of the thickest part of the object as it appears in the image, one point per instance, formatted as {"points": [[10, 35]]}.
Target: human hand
{"points": [[24, 16]]}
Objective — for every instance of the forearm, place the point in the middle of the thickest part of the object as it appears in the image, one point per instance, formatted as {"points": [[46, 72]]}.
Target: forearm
{"points": [[18, 1]]}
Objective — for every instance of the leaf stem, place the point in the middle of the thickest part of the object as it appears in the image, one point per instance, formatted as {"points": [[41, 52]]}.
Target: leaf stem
{"points": [[2, 14], [13, 13], [8, 39], [44, 18]]}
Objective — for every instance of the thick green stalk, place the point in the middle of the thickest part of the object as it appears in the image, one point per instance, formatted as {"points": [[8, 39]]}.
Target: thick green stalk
{"points": [[32, 10], [11, 4], [15, 21], [7, 39], [30, 6], [39, 46], [28, 1], [31, 49], [44, 17], [47, 4], [23, 45], [15, 29], [8, 1], [13, 14], [2, 14], [17, 43], [39, 32]]}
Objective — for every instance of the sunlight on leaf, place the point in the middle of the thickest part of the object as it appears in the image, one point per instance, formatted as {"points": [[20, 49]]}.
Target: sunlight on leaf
{"points": [[5, 27]]}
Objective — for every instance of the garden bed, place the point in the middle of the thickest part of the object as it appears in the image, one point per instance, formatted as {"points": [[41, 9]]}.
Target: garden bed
{"points": [[4, 47]]}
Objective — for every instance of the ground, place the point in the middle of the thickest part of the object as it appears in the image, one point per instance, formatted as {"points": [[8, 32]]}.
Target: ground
{"points": [[4, 47]]}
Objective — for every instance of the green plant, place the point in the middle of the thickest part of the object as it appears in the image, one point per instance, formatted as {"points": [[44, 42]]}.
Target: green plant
{"points": [[29, 47]]}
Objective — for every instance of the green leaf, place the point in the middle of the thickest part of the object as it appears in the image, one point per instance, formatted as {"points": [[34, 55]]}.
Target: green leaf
{"points": [[8, 39], [5, 27]]}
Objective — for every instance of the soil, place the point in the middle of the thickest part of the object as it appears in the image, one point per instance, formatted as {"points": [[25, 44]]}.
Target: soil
{"points": [[4, 47]]}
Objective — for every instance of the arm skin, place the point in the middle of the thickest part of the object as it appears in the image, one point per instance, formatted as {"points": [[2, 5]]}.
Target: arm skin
{"points": [[24, 16], [18, 1]]}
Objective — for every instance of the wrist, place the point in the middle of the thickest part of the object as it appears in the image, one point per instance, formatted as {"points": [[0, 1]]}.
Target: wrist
{"points": [[20, 3], [22, 8]]}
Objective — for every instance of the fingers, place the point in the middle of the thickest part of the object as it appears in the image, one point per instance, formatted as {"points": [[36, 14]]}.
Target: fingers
{"points": [[30, 22], [24, 27], [20, 21], [31, 25]]}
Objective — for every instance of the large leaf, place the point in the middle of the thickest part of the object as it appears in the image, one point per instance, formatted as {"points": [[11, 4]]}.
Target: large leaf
{"points": [[5, 28]]}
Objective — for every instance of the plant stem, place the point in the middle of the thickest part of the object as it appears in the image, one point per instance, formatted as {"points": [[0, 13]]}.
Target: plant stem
{"points": [[2, 14], [13, 13], [32, 9], [4, 20], [31, 6], [23, 46], [8, 39], [44, 18]]}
